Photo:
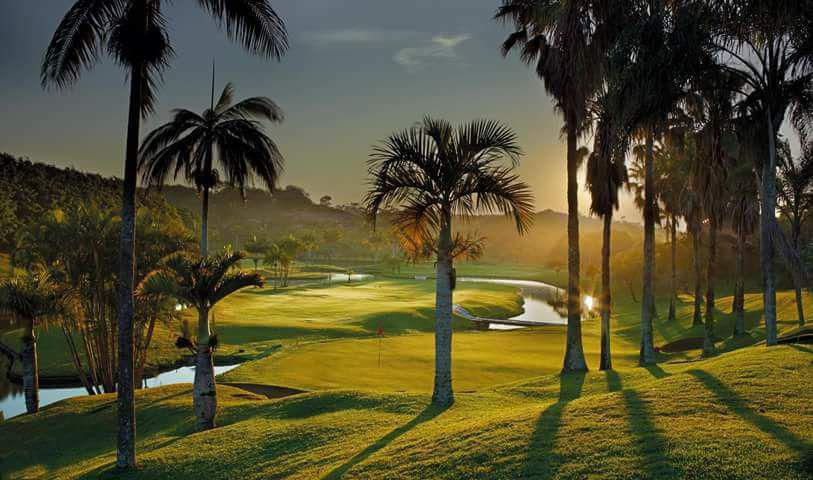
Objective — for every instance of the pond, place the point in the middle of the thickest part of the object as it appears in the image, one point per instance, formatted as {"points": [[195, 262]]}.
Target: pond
{"points": [[12, 401], [543, 304]]}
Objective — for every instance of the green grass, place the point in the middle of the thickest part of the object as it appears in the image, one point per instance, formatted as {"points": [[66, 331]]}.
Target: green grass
{"points": [[743, 414], [738, 415], [255, 322], [485, 359]]}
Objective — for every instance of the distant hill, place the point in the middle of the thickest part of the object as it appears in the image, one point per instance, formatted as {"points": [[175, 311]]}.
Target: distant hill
{"points": [[27, 189]]}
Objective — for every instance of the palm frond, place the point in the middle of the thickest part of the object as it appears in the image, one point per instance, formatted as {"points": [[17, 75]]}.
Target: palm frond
{"points": [[233, 282], [257, 107], [253, 23], [77, 40], [226, 99]]}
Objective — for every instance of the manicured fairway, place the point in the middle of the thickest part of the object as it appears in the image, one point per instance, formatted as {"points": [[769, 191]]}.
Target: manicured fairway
{"points": [[256, 322], [481, 360]]}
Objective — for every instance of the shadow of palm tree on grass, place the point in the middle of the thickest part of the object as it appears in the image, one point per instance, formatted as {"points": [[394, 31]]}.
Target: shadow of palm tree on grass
{"points": [[429, 413], [541, 461], [650, 443], [739, 406]]}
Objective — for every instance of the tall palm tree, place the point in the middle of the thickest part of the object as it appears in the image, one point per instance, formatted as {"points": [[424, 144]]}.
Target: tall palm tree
{"points": [[34, 300], [201, 283], [768, 46], [667, 42], [795, 201], [435, 172], [226, 133], [560, 38], [672, 186], [713, 106], [135, 34], [606, 174], [744, 217]]}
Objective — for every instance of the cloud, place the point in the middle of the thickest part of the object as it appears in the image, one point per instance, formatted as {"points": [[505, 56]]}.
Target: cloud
{"points": [[440, 49], [357, 36]]}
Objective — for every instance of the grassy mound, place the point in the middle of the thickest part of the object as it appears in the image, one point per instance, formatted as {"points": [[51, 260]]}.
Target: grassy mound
{"points": [[740, 415]]}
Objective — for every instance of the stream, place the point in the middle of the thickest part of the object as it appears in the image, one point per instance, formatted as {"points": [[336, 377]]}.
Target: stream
{"points": [[12, 401], [542, 303]]}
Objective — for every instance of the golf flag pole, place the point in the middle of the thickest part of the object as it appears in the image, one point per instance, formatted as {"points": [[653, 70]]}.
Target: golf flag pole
{"points": [[380, 334]]}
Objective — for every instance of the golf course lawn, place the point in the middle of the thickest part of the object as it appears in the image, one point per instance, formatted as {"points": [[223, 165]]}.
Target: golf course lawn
{"points": [[743, 414], [740, 414]]}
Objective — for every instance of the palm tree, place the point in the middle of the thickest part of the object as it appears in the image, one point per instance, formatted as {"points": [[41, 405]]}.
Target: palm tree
{"points": [[767, 46], [557, 38], [34, 300], [135, 35], [606, 174], [436, 172], [666, 42], [713, 106], [672, 186], [226, 132], [201, 283], [744, 216], [795, 202]]}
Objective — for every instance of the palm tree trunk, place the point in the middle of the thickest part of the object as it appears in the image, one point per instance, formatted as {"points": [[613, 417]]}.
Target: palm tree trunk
{"points": [[697, 317], [768, 216], [204, 222], [739, 288], [443, 394], [796, 280], [204, 389], [574, 351], [673, 281], [126, 439], [31, 376], [708, 336], [647, 352], [606, 362]]}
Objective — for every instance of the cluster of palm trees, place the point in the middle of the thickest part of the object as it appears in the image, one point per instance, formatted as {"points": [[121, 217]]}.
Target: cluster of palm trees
{"points": [[690, 87], [73, 253], [706, 83], [136, 35]]}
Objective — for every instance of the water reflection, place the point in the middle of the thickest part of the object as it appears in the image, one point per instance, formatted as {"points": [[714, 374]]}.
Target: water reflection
{"points": [[12, 401], [543, 303]]}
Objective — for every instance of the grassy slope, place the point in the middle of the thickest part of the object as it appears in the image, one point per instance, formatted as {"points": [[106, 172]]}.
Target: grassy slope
{"points": [[745, 414], [679, 420]]}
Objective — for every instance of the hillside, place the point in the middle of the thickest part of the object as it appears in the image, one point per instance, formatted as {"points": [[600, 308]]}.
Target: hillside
{"points": [[739, 415]]}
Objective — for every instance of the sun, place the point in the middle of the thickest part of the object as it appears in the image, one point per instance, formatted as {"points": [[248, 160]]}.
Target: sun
{"points": [[589, 301]]}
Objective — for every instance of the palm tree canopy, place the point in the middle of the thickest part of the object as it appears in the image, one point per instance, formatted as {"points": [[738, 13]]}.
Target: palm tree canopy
{"points": [[135, 34], [434, 169], [33, 297], [189, 142], [563, 40], [201, 282], [794, 183]]}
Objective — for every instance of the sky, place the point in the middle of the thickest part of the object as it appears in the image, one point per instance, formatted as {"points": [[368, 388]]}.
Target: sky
{"points": [[357, 70]]}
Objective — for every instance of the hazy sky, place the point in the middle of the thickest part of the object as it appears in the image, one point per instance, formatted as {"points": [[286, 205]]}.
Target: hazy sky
{"points": [[357, 70]]}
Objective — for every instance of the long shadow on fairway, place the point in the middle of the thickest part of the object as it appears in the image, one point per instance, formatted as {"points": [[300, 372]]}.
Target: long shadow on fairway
{"points": [[426, 415], [800, 348], [650, 443], [738, 405], [542, 462]]}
